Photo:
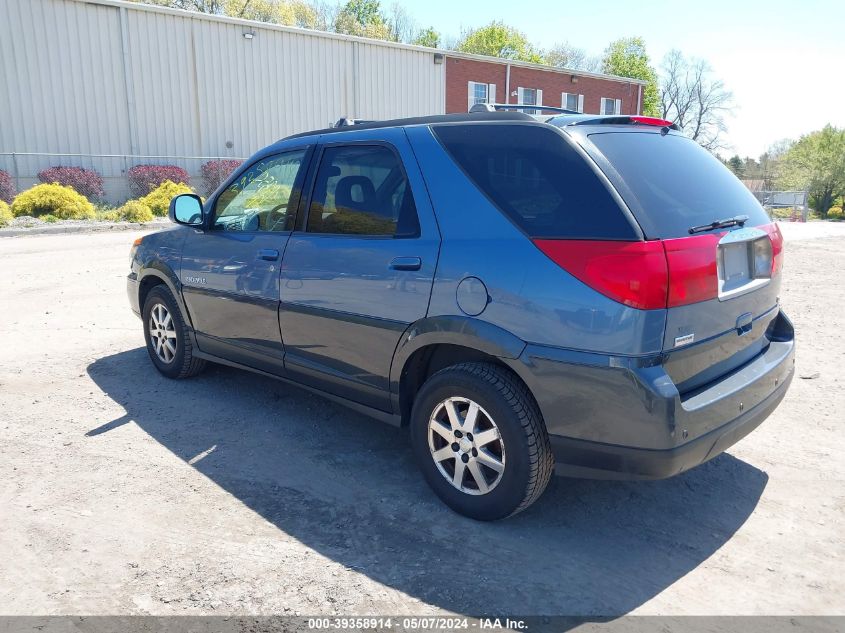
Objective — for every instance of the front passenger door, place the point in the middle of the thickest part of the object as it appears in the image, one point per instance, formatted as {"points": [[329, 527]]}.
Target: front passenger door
{"points": [[230, 271]]}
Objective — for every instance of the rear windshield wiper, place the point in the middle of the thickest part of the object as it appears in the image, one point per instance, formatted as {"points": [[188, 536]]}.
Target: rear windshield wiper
{"points": [[737, 220]]}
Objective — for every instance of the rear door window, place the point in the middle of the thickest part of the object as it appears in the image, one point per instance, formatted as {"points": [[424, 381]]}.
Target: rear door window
{"points": [[362, 190], [671, 183], [537, 180]]}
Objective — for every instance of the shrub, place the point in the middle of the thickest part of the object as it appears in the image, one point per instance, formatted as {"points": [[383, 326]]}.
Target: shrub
{"points": [[7, 187], [835, 212], [63, 202], [268, 197], [107, 214], [214, 172], [85, 181], [159, 199], [5, 214], [50, 218], [135, 211], [144, 178]]}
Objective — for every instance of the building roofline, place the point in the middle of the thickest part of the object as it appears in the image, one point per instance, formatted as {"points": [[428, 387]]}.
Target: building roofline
{"points": [[254, 24], [532, 66]]}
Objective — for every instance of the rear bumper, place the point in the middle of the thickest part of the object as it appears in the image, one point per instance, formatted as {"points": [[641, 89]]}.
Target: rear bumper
{"points": [[616, 417], [580, 458]]}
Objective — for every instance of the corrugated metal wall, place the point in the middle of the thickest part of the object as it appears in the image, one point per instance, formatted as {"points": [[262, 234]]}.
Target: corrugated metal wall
{"points": [[138, 85]]}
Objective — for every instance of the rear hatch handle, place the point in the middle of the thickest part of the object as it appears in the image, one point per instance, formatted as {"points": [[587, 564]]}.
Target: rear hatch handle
{"points": [[743, 323]]}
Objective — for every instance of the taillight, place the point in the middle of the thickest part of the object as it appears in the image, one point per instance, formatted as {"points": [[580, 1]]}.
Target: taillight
{"points": [[777, 246], [654, 274], [633, 273], [693, 275]]}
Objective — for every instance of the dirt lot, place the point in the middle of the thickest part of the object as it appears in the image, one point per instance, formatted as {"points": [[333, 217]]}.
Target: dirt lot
{"points": [[123, 492]]}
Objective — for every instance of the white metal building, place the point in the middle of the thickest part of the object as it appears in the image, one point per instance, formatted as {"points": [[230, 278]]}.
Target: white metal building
{"points": [[107, 84]]}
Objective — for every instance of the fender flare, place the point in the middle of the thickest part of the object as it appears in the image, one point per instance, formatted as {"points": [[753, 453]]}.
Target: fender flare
{"points": [[160, 270], [453, 330]]}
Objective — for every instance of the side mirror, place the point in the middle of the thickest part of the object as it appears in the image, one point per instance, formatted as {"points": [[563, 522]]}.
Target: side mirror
{"points": [[186, 209]]}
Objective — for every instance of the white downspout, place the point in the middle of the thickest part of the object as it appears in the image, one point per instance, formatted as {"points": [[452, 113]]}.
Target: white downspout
{"points": [[508, 84]]}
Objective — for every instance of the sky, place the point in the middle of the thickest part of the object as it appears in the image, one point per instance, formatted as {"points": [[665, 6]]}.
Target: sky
{"points": [[783, 61]]}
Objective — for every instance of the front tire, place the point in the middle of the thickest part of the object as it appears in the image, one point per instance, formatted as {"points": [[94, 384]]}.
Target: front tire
{"points": [[166, 334], [480, 441]]}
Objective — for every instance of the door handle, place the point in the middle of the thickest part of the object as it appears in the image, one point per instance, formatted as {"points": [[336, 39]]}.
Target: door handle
{"points": [[270, 254], [406, 263]]}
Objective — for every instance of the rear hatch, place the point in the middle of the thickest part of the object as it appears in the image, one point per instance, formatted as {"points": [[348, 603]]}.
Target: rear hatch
{"points": [[723, 252]]}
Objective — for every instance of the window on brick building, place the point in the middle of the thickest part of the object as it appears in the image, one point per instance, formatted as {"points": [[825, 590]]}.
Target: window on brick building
{"points": [[611, 106], [530, 96], [572, 101], [478, 92]]}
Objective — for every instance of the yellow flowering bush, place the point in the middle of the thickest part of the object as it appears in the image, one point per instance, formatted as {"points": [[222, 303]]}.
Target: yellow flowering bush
{"points": [[135, 211], [158, 200], [53, 199], [5, 214]]}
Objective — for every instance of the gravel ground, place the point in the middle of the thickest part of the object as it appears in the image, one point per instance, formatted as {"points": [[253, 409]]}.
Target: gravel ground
{"points": [[27, 225], [125, 493]]}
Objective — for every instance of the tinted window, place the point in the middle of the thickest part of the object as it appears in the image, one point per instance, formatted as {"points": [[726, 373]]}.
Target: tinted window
{"points": [[533, 176], [674, 183], [258, 199], [362, 190]]}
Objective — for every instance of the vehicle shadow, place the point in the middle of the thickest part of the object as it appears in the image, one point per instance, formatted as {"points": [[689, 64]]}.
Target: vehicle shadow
{"points": [[346, 486]]}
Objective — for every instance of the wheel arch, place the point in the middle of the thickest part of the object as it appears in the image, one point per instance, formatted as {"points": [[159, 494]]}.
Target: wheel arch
{"points": [[434, 343], [155, 273]]}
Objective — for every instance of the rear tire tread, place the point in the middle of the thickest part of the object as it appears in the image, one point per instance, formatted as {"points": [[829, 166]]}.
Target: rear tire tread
{"points": [[522, 402]]}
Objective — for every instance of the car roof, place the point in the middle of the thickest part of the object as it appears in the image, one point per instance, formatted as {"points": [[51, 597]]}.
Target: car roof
{"points": [[557, 120], [422, 120]]}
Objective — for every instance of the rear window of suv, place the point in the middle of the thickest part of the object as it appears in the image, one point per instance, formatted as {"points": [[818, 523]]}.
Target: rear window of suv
{"points": [[674, 184], [537, 180]]}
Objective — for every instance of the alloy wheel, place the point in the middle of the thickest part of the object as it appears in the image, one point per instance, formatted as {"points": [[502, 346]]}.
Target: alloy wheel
{"points": [[466, 446], [162, 333]]}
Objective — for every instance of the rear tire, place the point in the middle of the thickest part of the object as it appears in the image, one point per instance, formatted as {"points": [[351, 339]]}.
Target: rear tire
{"points": [[483, 416], [167, 336]]}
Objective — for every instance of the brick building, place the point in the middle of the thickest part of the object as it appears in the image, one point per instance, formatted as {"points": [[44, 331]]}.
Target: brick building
{"points": [[472, 79]]}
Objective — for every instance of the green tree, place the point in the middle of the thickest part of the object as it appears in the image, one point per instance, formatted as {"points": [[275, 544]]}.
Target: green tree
{"points": [[286, 12], [203, 6], [428, 37], [565, 55], [627, 57], [499, 40], [817, 163], [364, 19], [736, 165]]}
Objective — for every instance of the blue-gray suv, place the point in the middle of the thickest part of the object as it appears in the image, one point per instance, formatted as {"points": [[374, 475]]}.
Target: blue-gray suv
{"points": [[594, 296]]}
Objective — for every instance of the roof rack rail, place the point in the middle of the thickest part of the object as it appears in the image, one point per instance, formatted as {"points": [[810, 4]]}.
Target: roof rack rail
{"points": [[495, 107], [346, 122]]}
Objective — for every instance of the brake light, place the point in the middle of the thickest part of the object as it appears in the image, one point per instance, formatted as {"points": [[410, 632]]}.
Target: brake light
{"points": [[693, 275], [633, 273], [651, 120], [645, 275], [654, 274], [777, 246]]}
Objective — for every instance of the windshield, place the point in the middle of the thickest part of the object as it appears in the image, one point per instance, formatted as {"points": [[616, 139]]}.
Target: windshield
{"points": [[673, 184]]}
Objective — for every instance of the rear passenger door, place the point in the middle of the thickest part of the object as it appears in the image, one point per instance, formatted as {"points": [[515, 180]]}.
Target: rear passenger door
{"points": [[360, 268]]}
